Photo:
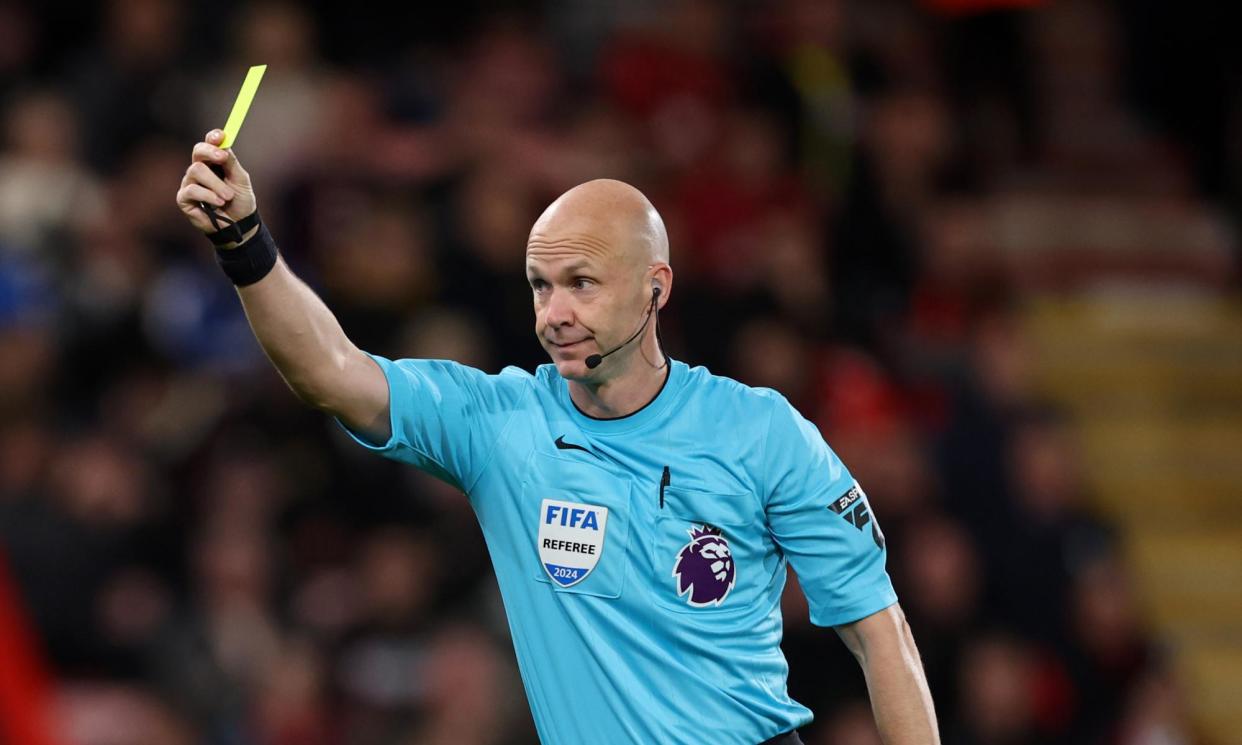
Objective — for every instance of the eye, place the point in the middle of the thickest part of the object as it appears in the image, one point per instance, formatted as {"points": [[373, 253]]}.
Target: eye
{"points": [[582, 283], [538, 285]]}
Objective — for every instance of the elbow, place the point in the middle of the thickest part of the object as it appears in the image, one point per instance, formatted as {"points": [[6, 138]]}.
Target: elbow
{"points": [[315, 391], [308, 393], [315, 400], [329, 387]]}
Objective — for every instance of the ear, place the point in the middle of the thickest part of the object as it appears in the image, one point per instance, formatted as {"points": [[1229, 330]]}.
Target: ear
{"points": [[661, 284]]}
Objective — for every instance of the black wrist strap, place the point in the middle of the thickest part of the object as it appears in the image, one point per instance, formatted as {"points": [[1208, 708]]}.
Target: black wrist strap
{"points": [[228, 231], [251, 261]]}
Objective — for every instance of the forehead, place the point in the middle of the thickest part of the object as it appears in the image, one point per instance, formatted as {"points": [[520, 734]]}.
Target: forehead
{"points": [[570, 250]]}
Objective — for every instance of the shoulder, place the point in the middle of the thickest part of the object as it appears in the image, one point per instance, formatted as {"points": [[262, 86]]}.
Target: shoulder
{"points": [[444, 375], [765, 413], [725, 394], [724, 387]]}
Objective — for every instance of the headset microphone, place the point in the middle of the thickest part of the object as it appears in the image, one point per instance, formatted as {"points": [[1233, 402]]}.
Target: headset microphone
{"points": [[595, 360]]}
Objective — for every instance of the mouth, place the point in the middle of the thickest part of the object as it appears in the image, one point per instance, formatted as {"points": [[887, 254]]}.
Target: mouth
{"points": [[570, 346]]}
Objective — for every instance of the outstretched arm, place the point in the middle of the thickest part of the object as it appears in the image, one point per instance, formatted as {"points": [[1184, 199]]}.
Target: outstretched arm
{"points": [[883, 645], [297, 331]]}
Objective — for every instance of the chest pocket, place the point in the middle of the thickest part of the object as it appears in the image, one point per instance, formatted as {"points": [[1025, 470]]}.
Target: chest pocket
{"points": [[711, 553], [581, 513]]}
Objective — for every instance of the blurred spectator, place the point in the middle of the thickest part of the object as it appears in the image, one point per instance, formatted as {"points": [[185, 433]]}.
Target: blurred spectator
{"points": [[997, 693], [771, 354], [45, 193], [725, 202], [19, 41], [25, 368], [667, 72], [1050, 536], [491, 216], [130, 84], [111, 714], [283, 124], [1157, 712], [376, 263], [1109, 652], [941, 580]]}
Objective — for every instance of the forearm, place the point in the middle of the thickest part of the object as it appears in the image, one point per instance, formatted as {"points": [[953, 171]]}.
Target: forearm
{"points": [[299, 334], [297, 331], [900, 699]]}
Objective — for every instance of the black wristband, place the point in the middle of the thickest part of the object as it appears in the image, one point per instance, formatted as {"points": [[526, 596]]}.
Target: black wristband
{"points": [[252, 260], [232, 232]]}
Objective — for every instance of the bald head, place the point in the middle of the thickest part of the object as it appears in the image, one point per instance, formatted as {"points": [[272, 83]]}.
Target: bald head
{"points": [[597, 263], [606, 219]]}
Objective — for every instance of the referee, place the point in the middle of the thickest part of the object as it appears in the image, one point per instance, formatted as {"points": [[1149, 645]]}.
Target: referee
{"points": [[639, 512]]}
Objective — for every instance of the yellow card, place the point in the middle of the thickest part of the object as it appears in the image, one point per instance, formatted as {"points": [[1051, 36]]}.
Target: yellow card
{"points": [[242, 105]]}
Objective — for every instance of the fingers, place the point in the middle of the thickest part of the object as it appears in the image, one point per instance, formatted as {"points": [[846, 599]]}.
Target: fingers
{"points": [[194, 193], [199, 173], [205, 152], [209, 152], [188, 198], [216, 179]]}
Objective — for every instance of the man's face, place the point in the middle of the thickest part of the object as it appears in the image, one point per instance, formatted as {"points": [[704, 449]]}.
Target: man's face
{"points": [[587, 301]]}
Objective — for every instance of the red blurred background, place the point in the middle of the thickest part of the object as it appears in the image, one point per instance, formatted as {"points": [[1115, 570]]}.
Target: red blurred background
{"points": [[990, 248]]}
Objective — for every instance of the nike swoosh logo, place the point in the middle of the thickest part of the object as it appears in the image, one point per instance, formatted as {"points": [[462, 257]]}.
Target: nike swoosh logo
{"points": [[562, 445]]}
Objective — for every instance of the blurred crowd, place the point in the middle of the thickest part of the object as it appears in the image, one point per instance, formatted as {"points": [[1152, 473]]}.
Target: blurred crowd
{"points": [[207, 561]]}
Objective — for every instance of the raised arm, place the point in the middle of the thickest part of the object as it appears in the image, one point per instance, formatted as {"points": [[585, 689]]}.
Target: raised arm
{"points": [[883, 645], [297, 331]]}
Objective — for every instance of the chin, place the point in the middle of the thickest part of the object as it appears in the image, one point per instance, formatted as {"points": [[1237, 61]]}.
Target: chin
{"points": [[571, 363], [572, 369]]}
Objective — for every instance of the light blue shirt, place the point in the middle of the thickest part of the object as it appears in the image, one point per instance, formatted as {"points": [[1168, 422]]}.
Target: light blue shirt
{"points": [[641, 559]]}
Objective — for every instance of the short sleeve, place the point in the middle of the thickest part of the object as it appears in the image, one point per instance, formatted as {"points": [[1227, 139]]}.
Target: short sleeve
{"points": [[446, 418], [820, 518]]}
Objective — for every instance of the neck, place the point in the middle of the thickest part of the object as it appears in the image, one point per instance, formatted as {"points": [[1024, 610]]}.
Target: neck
{"points": [[635, 377]]}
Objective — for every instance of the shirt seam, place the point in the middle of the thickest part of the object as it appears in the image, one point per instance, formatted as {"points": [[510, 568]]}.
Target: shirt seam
{"points": [[398, 440], [402, 441], [495, 447], [870, 605], [767, 498]]}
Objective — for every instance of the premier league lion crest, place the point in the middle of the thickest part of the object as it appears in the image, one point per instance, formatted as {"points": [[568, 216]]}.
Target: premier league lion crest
{"points": [[704, 568]]}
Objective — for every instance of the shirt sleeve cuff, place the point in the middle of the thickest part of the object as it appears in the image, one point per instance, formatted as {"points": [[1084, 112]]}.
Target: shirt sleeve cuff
{"points": [[873, 603]]}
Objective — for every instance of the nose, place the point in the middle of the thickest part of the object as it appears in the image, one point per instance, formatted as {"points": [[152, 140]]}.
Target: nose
{"points": [[558, 309]]}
